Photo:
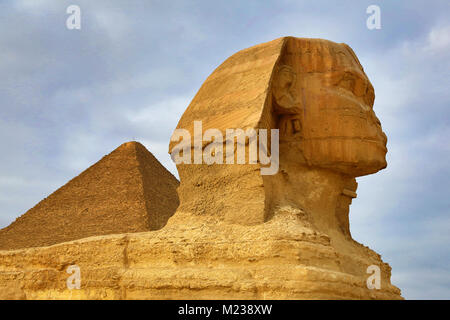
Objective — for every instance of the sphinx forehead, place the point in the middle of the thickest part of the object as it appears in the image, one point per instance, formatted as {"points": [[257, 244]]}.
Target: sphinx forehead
{"points": [[318, 55]]}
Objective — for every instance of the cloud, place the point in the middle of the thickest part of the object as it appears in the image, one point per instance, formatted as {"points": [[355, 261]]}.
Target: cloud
{"points": [[439, 39]]}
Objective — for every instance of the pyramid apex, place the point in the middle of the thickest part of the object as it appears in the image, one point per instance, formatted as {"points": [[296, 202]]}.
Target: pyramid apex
{"points": [[133, 146], [130, 144]]}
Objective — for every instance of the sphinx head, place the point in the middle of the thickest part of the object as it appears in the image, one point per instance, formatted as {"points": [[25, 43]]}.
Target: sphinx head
{"points": [[331, 107]]}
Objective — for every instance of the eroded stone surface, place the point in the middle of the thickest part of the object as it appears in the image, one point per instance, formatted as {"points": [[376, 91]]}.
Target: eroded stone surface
{"points": [[275, 260]]}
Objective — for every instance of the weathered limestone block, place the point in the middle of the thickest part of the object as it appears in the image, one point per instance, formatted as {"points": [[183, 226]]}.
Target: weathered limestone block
{"points": [[274, 260]]}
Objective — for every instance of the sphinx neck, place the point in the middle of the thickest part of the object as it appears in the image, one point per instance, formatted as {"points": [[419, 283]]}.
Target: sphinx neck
{"points": [[324, 195]]}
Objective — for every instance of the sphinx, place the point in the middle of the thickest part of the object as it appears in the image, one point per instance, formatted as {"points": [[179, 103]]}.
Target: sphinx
{"points": [[316, 95], [315, 92]]}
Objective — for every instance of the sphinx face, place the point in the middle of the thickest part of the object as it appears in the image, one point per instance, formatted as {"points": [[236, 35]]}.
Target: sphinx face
{"points": [[339, 129]]}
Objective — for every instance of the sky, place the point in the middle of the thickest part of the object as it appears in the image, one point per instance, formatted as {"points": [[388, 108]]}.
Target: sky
{"points": [[69, 97]]}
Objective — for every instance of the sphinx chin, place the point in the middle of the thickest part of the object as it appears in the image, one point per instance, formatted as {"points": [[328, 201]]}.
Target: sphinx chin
{"points": [[362, 168], [372, 160], [353, 157]]}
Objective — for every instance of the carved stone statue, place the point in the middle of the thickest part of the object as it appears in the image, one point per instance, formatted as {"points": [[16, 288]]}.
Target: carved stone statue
{"points": [[316, 93], [318, 96]]}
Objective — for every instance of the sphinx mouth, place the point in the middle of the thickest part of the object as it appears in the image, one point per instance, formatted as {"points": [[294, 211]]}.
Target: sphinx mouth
{"points": [[372, 140], [377, 142]]}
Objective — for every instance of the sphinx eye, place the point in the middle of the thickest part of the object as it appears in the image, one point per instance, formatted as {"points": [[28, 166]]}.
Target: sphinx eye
{"points": [[360, 87], [369, 97], [347, 82], [378, 122]]}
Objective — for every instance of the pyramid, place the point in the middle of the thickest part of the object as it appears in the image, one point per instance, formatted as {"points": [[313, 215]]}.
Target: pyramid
{"points": [[126, 191]]}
